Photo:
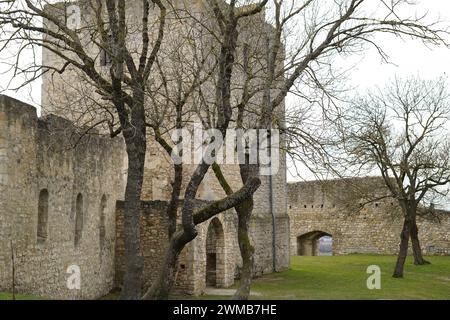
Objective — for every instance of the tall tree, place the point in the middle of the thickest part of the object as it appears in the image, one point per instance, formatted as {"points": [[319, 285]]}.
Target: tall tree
{"points": [[403, 132], [225, 20], [42, 24]]}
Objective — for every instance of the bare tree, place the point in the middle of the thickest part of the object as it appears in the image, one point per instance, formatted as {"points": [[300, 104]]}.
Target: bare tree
{"points": [[202, 86], [29, 24], [402, 132], [298, 52]]}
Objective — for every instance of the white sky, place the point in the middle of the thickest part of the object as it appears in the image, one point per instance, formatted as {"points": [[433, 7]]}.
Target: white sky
{"points": [[407, 58]]}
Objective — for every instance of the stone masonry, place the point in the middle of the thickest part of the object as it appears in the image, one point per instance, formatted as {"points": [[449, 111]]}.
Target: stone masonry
{"points": [[318, 208], [192, 274]]}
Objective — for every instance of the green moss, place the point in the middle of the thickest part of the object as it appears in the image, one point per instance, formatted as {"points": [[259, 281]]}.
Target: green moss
{"points": [[344, 277]]}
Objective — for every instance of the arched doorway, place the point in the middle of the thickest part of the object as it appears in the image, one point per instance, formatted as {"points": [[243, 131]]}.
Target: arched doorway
{"points": [[315, 243], [78, 219], [215, 254]]}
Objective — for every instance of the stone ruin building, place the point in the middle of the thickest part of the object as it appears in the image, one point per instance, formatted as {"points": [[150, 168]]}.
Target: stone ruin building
{"points": [[62, 206]]}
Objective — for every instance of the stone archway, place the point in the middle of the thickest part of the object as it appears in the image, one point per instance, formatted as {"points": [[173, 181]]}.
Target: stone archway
{"points": [[215, 254], [309, 244]]}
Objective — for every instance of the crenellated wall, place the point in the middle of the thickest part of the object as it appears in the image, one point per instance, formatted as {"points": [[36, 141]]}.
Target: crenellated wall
{"points": [[49, 154], [318, 208]]}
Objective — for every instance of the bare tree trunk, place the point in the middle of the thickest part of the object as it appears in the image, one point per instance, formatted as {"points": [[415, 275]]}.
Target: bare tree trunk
{"points": [[132, 282], [244, 212], [135, 138], [417, 250], [403, 252], [172, 210], [13, 264], [161, 288]]}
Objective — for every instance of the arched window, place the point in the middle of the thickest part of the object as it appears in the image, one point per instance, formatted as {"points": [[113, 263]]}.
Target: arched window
{"points": [[42, 216], [101, 226], [78, 219]]}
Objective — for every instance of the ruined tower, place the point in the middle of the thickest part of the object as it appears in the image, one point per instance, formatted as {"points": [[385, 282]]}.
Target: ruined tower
{"points": [[70, 201]]}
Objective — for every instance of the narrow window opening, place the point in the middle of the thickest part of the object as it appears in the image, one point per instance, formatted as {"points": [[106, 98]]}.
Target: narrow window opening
{"points": [[42, 216]]}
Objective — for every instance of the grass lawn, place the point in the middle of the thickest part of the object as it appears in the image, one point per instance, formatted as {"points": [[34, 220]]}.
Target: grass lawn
{"points": [[344, 277]]}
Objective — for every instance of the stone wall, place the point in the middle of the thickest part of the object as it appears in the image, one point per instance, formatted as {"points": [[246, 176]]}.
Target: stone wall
{"points": [[39, 154], [157, 180], [317, 208], [191, 278], [96, 169]]}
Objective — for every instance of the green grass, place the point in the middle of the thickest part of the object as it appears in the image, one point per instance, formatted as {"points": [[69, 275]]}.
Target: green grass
{"points": [[344, 277]]}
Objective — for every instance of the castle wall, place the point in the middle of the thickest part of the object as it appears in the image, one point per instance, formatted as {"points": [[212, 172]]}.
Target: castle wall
{"points": [[69, 95], [318, 206], [38, 154], [158, 175], [18, 183], [191, 277]]}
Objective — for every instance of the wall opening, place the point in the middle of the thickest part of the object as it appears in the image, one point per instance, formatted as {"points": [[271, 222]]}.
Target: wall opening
{"points": [[78, 219], [102, 226], [105, 58], [315, 243], [325, 246], [42, 216], [215, 255]]}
